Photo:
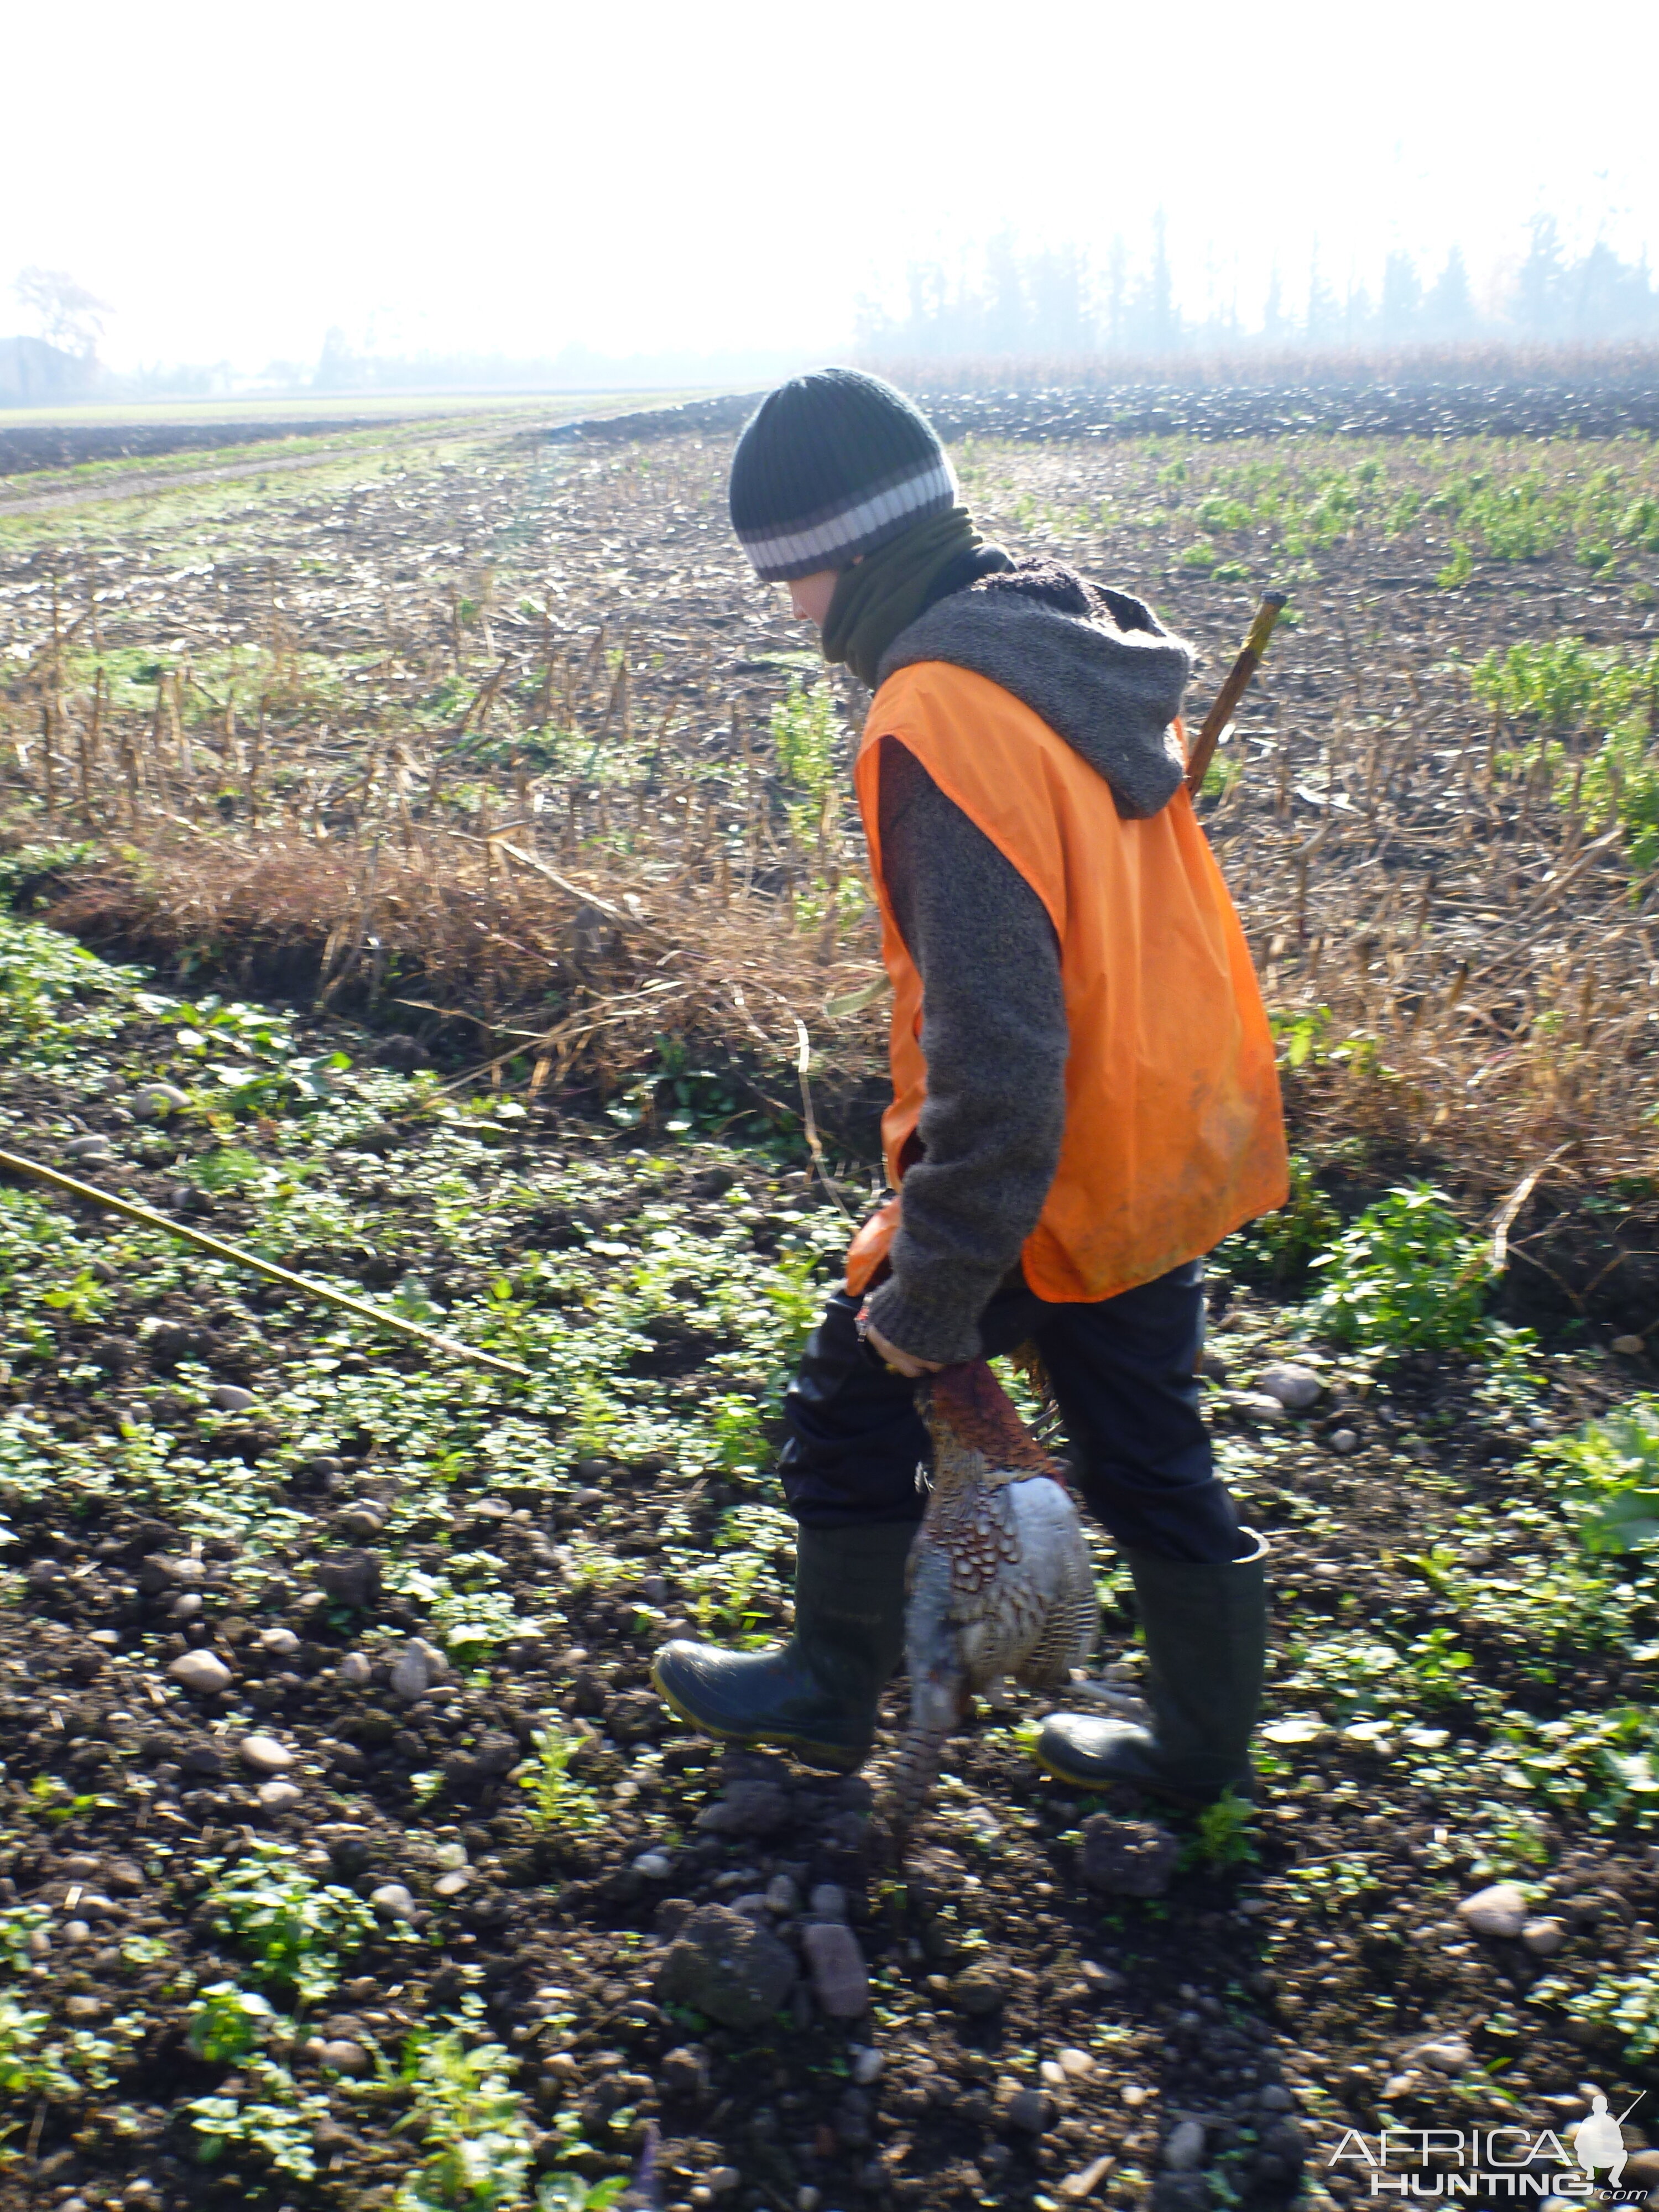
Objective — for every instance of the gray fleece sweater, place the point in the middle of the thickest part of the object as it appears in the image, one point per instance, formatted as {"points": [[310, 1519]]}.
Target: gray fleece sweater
{"points": [[1102, 673]]}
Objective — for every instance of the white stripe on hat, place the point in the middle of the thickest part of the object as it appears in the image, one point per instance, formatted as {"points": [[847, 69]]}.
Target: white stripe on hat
{"points": [[788, 549]]}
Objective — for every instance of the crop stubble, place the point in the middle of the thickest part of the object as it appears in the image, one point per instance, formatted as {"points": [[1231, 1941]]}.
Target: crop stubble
{"points": [[376, 699]]}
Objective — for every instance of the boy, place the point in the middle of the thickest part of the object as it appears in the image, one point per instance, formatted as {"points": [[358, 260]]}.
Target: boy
{"points": [[1083, 1093]]}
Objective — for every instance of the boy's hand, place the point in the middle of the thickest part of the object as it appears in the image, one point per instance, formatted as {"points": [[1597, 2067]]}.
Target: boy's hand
{"points": [[901, 1363]]}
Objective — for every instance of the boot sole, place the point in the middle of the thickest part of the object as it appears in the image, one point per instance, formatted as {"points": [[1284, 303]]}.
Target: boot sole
{"points": [[823, 1756], [1192, 1799]]}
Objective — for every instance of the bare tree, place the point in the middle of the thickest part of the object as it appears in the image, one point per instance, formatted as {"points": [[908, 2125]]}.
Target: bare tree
{"points": [[70, 316]]}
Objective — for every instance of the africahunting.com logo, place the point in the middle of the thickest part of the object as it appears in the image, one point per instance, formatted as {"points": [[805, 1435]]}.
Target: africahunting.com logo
{"points": [[1502, 2161]]}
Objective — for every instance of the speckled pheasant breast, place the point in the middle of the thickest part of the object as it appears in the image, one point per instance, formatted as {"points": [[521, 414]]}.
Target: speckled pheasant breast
{"points": [[1000, 1583]]}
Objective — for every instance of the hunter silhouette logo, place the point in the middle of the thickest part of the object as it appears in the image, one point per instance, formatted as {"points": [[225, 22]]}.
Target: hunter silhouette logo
{"points": [[1510, 2160], [1598, 2139]]}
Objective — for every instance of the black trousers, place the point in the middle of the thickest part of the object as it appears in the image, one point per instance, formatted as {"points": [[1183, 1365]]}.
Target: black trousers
{"points": [[1122, 1374]]}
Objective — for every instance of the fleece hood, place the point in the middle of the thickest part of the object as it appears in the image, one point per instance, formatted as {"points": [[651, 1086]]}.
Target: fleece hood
{"points": [[1096, 665]]}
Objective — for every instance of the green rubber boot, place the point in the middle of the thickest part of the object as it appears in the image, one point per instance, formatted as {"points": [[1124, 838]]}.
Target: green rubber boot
{"points": [[1206, 1635], [816, 1694]]}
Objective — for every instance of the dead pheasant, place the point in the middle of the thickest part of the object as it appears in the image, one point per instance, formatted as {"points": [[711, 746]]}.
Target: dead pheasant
{"points": [[1000, 1579]]}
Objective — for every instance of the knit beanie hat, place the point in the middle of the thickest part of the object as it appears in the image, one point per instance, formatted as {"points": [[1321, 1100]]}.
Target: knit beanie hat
{"points": [[832, 465]]}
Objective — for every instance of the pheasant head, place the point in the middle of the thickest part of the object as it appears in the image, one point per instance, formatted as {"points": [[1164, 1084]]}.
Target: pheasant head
{"points": [[977, 1434]]}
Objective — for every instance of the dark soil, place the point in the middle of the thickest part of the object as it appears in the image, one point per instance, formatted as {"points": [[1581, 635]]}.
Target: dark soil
{"points": [[1272, 2000], [1449, 404], [1393, 399]]}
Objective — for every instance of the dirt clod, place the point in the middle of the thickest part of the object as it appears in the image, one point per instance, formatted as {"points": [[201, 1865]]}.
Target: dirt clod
{"points": [[722, 1964], [1127, 1858]]}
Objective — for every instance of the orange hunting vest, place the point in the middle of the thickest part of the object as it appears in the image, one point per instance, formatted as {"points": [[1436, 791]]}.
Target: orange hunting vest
{"points": [[1173, 1135]]}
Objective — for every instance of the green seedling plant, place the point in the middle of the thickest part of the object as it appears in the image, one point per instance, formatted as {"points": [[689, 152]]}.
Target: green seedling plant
{"points": [[568, 2192], [30, 2065], [294, 1929], [1610, 1470], [55, 1802], [1227, 768], [806, 739], [804, 733], [474, 1618], [1558, 687], [229, 2025], [82, 1301], [1307, 1037], [1526, 516], [1622, 2005], [226, 2023], [147, 1951], [1458, 570], [228, 1169], [722, 1592], [1438, 1667], [685, 1098], [1513, 1382], [593, 1430], [470, 2119], [567, 2125], [1621, 784], [278, 2122], [1563, 689], [1280, 1248], [1223, 1834], [1602, 1765], [795, 1291], [38, 2060], [557, 1799], [739, 1438], [31, 864], [1406, 1276], [732, 1590], [1332, 1886], [19, 1925], [1511, 1843]]}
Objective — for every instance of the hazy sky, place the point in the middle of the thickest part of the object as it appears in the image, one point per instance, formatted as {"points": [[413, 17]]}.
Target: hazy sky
{"points": [[236, 178]]}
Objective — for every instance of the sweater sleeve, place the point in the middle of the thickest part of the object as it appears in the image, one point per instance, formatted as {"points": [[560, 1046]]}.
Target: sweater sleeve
{"points": [[995, 1040]]}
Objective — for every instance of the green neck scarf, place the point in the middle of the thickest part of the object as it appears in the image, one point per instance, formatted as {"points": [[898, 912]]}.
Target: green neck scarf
{"points": [[884, 592]]}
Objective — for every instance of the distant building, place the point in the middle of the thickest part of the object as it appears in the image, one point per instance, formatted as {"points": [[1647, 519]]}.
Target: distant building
{"points": [[33, 373]]}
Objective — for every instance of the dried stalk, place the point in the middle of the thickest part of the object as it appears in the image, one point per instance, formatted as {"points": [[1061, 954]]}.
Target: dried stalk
{"points": [[37, 1171]]}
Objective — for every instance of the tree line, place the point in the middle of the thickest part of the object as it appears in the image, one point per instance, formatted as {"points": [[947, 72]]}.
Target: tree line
{"points": [[1071, 300]]}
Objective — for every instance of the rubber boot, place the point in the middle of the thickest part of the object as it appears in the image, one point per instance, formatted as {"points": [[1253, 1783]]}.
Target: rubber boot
{"points": [[1206, 1632], [818, 1693]]}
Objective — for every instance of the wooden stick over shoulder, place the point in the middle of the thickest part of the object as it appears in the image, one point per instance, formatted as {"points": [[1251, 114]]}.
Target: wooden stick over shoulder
{"points": [[1268, 612]]}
